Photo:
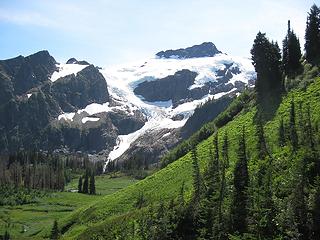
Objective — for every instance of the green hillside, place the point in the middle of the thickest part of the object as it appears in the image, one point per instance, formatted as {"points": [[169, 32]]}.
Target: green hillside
{"points": [[31, 221], [114, 213]]}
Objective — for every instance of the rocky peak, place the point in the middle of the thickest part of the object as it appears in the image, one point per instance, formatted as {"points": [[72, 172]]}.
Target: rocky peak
{"points": [[28, 72], [42, 58], [206, 49], [75, 61], [77, 91]]}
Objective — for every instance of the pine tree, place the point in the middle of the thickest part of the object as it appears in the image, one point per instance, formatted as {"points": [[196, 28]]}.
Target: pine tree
{"points": [[291, 54], [85, 188], [309, 131], [316, 211], [6, 235], [261, 144], [281, 134], [54, 231], [225, 150], [210, 205], [240, 197], [292, 126], [92, 184], [267, 62], [299, 204], [80, 185], [312, 36], [213, 174], [196, 176]]}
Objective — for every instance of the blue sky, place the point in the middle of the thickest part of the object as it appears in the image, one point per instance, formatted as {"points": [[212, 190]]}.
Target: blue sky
{"points": [[110, 32]]}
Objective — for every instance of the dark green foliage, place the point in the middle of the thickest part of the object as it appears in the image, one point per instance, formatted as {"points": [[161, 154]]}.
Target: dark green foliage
{"points": [[292, 127], [85, 187], [312, 36], [261, 144], [241, 182], [37, 170], [92, 188], [196, 176], [309, 131], [281, 132], [299, 206], [316, 211], [13, 196], [266, 60], [225, 151], [213, 172], [55, 233], [80, 185], [291, 54], [141, 201], [6, 236]]}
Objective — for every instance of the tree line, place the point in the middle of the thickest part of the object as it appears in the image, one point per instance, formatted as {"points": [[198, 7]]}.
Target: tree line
{"points": [[272, 68], [43, 170]]}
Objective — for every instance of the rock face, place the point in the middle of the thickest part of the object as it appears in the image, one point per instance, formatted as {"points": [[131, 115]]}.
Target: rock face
{"points": [[20, 74], [92, 137], [75, 61], [204, 114], [77, 91], [173, 87], [31, 103], [207, 49], [177, 87], [149, 148]]}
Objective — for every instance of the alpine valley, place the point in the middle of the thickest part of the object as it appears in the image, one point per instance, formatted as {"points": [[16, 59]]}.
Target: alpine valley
{"points": [[190, 144]]}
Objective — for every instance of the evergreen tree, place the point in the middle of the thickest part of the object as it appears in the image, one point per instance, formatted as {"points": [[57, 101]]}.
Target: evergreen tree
{"points": [[281, 134], [6, 235], [309, 130], [312, 36], [225, 150], [80, 185], [316, 211], [210, 206], [196, 176], [291, 54], [92, 185], [267, 62], [240, 196], [54, 231], [213, 174], [292, 126], [299, 205], [85, 188], [261, 144]]}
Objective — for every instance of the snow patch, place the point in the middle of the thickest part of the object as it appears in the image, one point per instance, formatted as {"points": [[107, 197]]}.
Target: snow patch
{"points": [[66, 69], [66, 116], [90, 119]]}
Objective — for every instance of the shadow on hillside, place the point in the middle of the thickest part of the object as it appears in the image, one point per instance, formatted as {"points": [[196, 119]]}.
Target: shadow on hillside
{"points": [[267, 107]]}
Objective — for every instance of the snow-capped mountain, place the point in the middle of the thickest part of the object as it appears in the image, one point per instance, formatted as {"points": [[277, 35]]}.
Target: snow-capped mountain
{"points": [[209, 77], [122, 112]]}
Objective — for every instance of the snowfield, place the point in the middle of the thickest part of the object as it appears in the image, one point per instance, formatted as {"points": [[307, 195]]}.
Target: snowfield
{"points": [[66, 69], [122, 80]]}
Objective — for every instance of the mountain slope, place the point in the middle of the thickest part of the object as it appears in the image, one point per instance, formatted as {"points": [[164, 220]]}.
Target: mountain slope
{"points": [[91, 221]]}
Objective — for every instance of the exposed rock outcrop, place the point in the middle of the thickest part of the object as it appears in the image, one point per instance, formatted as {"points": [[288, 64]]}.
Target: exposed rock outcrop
{"points": [[77, 91], [206, 49]]}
